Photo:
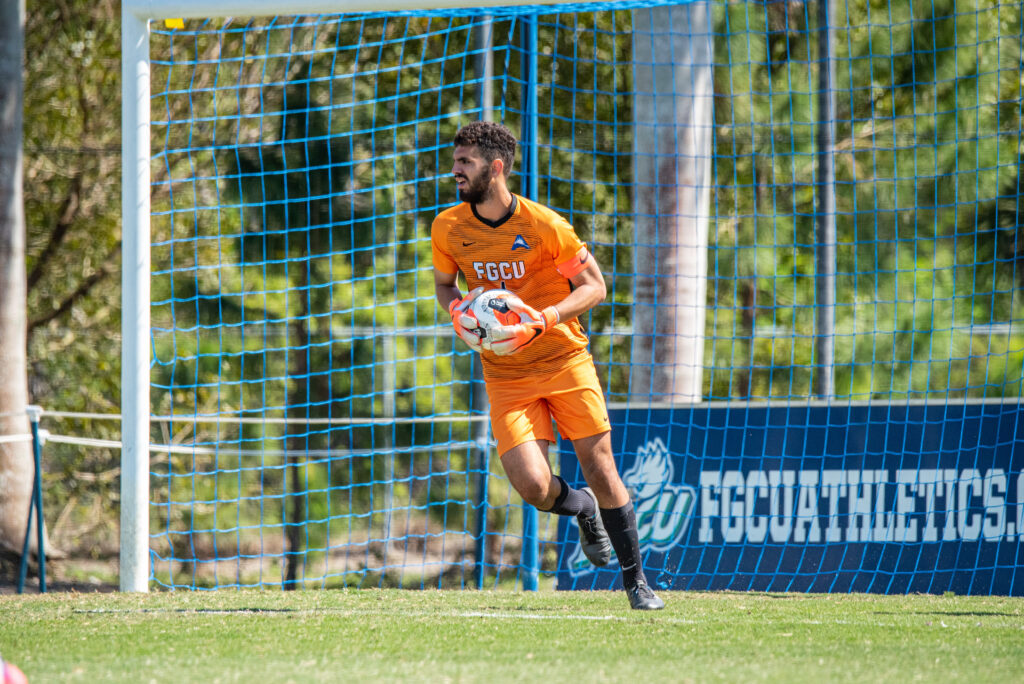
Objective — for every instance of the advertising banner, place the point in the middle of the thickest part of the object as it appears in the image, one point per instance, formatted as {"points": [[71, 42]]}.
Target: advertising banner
{"points": [[885, 498]]}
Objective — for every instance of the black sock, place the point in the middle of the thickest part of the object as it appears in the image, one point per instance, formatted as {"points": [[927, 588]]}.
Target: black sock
{"points": [[573, 501], [620, 524]]}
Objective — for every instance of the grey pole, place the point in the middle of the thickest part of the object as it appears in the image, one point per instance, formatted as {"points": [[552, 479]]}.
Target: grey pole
{"points": [[825, 216]]}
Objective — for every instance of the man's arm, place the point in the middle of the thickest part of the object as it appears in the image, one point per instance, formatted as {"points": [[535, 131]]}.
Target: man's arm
{"points": [[589, 290], [445, 288]]}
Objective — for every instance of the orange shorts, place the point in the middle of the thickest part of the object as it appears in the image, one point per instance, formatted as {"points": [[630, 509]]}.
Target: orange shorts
{"points": [[522, 408]]}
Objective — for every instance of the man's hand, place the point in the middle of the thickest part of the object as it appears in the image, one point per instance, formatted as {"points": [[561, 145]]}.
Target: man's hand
{"points": [[510, 339], [463, 320]]}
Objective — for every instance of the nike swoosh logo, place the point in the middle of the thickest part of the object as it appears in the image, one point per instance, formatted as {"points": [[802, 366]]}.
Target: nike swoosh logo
{"points": [[583, 259], [467, 244]]}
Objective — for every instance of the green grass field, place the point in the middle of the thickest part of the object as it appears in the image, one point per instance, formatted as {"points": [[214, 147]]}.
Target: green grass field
{"points": [[505, 636]]}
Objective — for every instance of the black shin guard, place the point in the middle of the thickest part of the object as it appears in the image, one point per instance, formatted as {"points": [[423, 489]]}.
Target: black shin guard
{"points": [[573, 501], [620, 524]]}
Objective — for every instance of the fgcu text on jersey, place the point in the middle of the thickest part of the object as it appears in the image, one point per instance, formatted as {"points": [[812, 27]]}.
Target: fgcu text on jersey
{"points": [[499, 271], [663, 509]]}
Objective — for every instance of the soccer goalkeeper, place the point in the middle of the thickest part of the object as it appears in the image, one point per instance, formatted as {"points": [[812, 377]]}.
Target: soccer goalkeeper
{"points": [[539, 369]]}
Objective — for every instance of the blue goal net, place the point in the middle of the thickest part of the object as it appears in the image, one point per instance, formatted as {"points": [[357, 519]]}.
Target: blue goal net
{"points": [[809, 219]]}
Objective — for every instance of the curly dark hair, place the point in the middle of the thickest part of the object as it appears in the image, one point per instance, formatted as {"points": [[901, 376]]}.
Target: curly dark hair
{"points": [[494, 141]]}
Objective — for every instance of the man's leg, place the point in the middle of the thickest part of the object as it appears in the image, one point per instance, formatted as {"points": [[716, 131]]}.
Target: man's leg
{"points": [[598, 464], [529, 471]]}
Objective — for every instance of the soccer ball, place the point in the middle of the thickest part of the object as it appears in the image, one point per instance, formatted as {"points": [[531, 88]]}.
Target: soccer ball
{"points": [[492, 310]]}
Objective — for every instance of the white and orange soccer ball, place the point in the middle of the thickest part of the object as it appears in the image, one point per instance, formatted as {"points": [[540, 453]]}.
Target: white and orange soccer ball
{"points": [[492, 310]]}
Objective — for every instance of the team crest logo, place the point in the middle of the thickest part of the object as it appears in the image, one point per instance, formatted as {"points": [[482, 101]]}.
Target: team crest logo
{"points": [[663, 508], [519, 242]]}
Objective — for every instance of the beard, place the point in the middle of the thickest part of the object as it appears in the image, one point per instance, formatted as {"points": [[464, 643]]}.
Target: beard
{"points": [[479, 188]]}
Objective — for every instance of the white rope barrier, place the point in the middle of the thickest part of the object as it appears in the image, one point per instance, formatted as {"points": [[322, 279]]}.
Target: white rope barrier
{"points": [[46, 436], [80, 415], [396, 420], [237, 420]]}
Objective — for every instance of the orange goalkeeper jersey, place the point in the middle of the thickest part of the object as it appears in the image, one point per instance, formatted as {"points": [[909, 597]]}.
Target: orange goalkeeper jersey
{"points": [[533, 252]]}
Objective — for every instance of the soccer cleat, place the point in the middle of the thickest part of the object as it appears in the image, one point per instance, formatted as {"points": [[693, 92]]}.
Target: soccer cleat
{"points": [[642, 597], [597, 547]]}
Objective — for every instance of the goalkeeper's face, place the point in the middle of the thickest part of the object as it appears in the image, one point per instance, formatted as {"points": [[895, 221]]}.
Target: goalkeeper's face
{"points": [[473, 175]]}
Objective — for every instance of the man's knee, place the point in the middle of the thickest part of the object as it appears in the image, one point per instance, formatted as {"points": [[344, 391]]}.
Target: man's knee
{"points": [[598, 469], [602, 479], [537, 492]]}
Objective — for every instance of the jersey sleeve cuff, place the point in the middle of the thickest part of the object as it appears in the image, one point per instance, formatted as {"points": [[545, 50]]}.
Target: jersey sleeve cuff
{"points": [[443, 268], [574, 266]]}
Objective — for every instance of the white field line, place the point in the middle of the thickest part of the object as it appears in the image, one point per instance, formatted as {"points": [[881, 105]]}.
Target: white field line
{"points": [[285, 612], [661, 617]]}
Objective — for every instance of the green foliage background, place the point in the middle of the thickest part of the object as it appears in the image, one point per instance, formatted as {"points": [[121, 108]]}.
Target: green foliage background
{"points": [[285, 251]]}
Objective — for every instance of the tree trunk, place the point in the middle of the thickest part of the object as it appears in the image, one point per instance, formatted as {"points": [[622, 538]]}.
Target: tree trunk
{"points": [[672, 58], [15, 458]]}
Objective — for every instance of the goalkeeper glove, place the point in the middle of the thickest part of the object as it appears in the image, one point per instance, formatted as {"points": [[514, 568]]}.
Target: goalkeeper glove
{"points": [[510, 339], [465, 323]]}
